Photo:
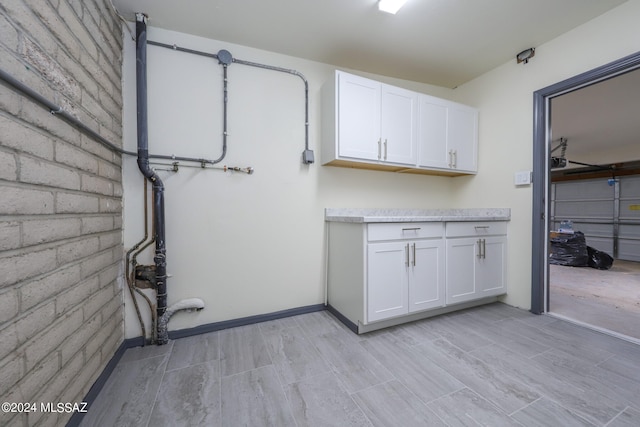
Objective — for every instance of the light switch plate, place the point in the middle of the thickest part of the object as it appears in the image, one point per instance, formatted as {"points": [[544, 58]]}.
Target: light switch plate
{"points": [[522, 178]]}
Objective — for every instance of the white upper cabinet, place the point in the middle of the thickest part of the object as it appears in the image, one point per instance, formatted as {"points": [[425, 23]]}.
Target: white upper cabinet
{"points": [[369, 124], [358, 118], [375, 122], [462, 137], [432, 133], [447, 135], [399, 114]]}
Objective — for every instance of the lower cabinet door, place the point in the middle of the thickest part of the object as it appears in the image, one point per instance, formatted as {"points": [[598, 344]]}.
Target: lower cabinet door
{"points": [[492, 267], [426, 274], [387, 280], [461, 270]]}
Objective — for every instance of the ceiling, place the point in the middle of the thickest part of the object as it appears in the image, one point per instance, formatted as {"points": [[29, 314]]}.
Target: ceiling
{"points": [[439, 42], [600, 121]]}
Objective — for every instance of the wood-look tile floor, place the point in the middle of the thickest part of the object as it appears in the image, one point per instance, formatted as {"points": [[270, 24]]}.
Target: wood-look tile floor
{"points": [[493, 365]]}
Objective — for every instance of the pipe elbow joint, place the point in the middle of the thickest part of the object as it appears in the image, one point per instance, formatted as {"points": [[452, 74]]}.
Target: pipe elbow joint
{"points": [[189, 304]]}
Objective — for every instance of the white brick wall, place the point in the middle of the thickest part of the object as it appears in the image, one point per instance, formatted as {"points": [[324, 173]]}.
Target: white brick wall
{"points": [[61, 314]]}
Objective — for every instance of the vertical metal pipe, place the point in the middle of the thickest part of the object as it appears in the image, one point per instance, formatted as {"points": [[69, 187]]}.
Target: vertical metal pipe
{"points": [[224, 118], [616, 217], [143, 165], [131, 278]]}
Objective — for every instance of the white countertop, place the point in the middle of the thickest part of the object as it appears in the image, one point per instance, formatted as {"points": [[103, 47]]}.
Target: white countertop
{"points": [[416, 215]]}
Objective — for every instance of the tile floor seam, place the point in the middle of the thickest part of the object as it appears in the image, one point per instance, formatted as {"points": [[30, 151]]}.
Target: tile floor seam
{"points": [[614, 418], [155, 400], [526, 406], [360, 407], [283, 387]]}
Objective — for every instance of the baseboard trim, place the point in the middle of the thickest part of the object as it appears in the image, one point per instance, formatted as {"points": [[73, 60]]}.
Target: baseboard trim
{"points": [[218, 326], [97, 386], [341, 317], [360, 328]]}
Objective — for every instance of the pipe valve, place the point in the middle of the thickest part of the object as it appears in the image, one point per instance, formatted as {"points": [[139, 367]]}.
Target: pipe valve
{"points": [[248, 170]]}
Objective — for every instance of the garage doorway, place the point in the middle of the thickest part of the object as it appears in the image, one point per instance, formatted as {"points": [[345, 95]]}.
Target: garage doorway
{"points": [[546, 220], [607, 228]]}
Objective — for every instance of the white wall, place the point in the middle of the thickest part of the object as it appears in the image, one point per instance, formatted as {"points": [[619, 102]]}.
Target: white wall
{"points": [[505, 99], [247, 244]]}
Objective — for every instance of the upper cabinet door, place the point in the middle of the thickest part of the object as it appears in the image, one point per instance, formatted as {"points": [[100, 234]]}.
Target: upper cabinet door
{"points": [[447, 135], [462, 138], [359, 118], [398, 130], [432, 133]]}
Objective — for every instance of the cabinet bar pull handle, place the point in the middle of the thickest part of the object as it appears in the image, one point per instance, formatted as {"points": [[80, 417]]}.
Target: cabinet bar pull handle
{"points": [[482, 248], [451, 158], [406, 251], [486, 227], [379, 148], [385, 148], [412, 229], [455, 159], [414, 254]]}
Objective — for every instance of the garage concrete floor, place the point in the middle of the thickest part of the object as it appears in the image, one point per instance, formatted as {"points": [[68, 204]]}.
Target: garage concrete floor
{"points": [[607, 299]]}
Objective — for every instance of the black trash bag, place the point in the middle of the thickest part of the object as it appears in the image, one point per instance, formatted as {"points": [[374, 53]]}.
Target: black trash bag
{"points": [[598, 259], [569, 249]]}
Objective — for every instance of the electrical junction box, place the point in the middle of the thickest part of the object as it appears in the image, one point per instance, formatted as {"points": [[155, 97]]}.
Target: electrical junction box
{"points": [[522, 178], [307, 157]]}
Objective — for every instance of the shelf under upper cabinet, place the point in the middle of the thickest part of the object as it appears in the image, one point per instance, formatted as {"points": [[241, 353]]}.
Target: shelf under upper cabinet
{"points": [[359, 164]]}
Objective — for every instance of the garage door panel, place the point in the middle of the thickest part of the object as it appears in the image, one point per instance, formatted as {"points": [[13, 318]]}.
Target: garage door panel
{"points": [[629, 250], [587, 189], [601, 244], [594, 230], [584, 209], [600, 229], [630, 187], [593, 207], [630, 209], [631, 231]]}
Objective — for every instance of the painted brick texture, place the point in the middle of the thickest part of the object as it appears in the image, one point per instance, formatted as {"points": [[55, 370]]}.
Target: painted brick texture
{"points": [[61, 262]]}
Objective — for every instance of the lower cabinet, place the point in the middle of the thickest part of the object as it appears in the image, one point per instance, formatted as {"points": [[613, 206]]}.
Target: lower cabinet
{"points": [[384, 271], [475, 268], [404, 277]]}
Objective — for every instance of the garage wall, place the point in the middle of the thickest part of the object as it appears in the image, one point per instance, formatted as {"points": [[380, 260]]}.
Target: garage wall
{"points": [[61, 316]]}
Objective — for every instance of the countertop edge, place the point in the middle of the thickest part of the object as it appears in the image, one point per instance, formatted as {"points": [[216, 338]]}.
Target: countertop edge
{"points": [[414, 215]]}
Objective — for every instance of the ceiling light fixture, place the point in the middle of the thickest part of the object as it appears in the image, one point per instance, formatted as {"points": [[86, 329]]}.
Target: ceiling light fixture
{"points": [[390, 6]]}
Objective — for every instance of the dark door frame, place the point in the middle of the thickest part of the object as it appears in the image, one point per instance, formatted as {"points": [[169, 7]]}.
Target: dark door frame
{"points": [[541, 140]]}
